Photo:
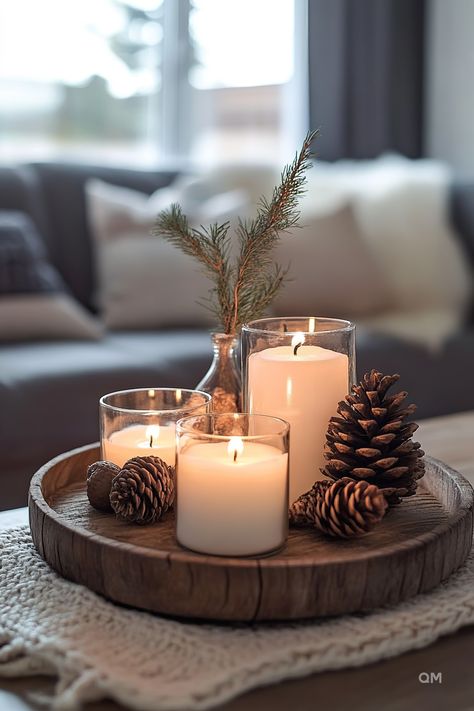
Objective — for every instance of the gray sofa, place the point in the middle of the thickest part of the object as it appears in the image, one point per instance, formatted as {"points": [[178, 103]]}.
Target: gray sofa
{"points": [[49, 391]]}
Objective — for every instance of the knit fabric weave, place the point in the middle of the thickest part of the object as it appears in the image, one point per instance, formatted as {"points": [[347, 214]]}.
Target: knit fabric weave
{"points": [[100, 650]]}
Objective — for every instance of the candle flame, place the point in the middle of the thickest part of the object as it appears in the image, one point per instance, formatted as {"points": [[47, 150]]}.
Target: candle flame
{"points": [[179, 396], [235, 447], [312, 325], [151, 394], [297, 341], [152, 433]]}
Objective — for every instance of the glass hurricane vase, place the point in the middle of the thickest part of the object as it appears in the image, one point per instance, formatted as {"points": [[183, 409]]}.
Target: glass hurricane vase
{"points": [[299, 368]]}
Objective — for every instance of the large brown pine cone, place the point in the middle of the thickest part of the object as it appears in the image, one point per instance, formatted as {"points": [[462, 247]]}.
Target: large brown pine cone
{"points": [[143, 490], [349, 508], [370, 439], [302, 510]]}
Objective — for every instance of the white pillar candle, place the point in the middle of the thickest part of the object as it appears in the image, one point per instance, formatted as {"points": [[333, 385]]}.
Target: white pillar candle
{"points": [[232, 497], [141, 441], [302, 385]]}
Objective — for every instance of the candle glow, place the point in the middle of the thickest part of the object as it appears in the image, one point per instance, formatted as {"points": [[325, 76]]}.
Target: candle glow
{"points": [[235, 447], [131, 442], [152, 433], [297, 341]]}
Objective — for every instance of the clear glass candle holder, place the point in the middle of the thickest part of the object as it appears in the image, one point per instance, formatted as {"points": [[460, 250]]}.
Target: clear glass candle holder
{"points": [[299, 368], [232, 484], [142, 422]]}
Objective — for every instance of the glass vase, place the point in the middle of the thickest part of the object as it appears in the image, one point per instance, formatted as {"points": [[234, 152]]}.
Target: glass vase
{"points": [[299, 369], [222, 381]]}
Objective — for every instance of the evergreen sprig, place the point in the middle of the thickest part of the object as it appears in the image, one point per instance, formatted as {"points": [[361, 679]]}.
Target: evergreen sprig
{"points": [[242, 290]]}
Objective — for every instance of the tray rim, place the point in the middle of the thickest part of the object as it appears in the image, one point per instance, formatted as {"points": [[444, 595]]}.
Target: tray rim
{"points": [[36, 498]]}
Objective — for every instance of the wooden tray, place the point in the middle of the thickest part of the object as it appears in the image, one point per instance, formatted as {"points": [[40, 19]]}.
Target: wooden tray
{"points": [[418, 544]]}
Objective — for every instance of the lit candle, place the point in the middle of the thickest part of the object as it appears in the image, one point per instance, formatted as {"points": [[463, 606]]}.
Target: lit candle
{"points": [[232, 497], [140, 441], [303, 385]]}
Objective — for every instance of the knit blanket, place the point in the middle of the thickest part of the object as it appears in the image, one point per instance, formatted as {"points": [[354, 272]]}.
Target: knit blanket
{"points": [[100, 650]]}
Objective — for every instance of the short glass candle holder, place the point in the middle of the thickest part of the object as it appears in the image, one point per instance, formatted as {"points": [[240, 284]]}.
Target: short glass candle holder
{"points": [[138, 423], [299, 368], [232, 484]]}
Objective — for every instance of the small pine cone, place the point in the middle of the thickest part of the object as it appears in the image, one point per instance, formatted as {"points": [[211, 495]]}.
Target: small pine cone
{"points": [[349, 508], [143, 490], [99, 483], [302, 510]]}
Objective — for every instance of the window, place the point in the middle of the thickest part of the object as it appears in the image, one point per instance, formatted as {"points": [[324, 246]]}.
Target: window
{"points": [[139, 81]]}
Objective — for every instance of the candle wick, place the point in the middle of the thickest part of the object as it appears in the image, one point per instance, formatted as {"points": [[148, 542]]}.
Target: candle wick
{"points": [[235, 455], [151, 440], [295, 349]]}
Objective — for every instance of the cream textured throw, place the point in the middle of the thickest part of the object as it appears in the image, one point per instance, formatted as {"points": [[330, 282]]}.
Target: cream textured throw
{"points": [[401, 207], [98, 650]]}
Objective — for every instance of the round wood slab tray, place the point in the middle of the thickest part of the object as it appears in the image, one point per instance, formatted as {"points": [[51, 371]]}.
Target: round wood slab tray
{"points": [[417, 545]]}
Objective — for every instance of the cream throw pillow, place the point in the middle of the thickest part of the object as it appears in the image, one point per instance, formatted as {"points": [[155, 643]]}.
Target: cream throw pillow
{"points": [[145, 282], [148, 283], [402, 210], [332, 271]]}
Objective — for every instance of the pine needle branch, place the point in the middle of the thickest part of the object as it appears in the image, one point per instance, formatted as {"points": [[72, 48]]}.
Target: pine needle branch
{"points": [[241, 292]]}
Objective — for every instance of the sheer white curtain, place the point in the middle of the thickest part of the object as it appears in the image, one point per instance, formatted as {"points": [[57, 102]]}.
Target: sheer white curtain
{"points": [[144, 81]]}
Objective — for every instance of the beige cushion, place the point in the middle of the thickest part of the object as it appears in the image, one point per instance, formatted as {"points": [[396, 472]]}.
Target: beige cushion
{"points": [[332, 271], [145, 282], [402, 210], [29, 317]]}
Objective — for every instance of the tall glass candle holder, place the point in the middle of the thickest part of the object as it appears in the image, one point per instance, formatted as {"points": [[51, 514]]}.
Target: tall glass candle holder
{"points": [[232, 484], [143, 422], [299, 368]]}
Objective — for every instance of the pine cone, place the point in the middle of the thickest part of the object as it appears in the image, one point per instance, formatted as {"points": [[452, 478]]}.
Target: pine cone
{"points": [[349, 508], [371, 440], [99, 483], [143, 490], [302, 510]]}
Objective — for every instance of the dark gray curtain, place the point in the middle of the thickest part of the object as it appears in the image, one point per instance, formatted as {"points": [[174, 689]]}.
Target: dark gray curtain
{"points": [[366, 76]]}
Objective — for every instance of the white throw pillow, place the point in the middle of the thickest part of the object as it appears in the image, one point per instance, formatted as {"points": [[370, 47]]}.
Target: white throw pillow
{"points": [[45, 317], [145, 282], [402, 210], [332, 272], [148, 283]]}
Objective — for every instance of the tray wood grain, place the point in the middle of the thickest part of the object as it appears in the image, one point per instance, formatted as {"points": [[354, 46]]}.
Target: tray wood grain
{"points": [[417, 545]]}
